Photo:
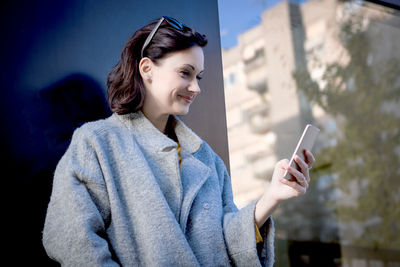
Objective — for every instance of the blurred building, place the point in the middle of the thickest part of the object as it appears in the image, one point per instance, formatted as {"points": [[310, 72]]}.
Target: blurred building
{"points": [[264, 109], [266, 113]]}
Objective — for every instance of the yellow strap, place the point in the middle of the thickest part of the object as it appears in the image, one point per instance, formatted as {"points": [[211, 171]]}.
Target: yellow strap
{"points": [[179, 154], [259, 238]]}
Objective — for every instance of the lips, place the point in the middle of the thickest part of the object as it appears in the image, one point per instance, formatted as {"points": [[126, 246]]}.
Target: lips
{"points": [[188, 99]]}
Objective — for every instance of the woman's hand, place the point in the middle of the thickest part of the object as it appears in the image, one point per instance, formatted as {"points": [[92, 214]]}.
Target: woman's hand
{"points": [[281, 189]]}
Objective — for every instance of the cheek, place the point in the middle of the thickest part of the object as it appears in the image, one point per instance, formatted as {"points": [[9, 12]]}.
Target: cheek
{"points": [[168, 86], [163, 81], [172, 88], [166, 94]]}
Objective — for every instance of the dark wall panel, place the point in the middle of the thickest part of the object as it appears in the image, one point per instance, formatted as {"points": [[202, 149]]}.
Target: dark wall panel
{"points": [[55, 57]]}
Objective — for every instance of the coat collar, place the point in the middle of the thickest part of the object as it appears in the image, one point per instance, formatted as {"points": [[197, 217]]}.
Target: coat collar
{"points": [[149, 135]]}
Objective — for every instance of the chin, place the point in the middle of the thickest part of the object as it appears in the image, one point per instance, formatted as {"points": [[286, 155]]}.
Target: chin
{"points": [[182, 111]]}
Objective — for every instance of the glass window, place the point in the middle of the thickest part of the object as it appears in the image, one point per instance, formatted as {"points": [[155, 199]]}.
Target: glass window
{"points": [[335, 64]]}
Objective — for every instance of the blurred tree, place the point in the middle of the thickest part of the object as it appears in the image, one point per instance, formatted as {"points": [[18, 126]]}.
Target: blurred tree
{"points": [[362, 95]]}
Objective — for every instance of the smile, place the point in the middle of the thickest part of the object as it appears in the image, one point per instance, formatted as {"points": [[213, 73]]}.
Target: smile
{"points": [[188, 99]]}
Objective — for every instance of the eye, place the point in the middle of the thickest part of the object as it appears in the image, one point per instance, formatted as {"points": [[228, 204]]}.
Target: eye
{"points": [[185, 73], [199, 78]]}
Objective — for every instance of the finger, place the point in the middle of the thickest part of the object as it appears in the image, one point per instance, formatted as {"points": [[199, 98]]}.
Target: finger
{"points": [[303, 167], [299, 176], [293, 184], [309, 157], [301, 163]]}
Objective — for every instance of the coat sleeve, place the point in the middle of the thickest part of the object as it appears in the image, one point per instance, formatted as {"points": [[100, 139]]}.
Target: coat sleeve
{"points": [[74, 231], [239, 231]]}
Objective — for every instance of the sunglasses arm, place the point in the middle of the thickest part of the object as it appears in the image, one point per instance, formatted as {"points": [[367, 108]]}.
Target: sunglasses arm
{"points": [[150, 37]]}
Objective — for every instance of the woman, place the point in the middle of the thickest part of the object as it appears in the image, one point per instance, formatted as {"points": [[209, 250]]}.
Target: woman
{"points": [[141, 189]]}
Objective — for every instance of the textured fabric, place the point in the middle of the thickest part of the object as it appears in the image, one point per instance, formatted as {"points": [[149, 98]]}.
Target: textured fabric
{"points": [[259, 238], [120, 198]]}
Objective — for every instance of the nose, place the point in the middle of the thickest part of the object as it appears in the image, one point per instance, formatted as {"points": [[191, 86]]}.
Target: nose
{"points": [[194, 87]]}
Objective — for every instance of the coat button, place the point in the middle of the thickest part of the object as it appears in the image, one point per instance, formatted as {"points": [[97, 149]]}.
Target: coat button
{"points": [[206, 206]]}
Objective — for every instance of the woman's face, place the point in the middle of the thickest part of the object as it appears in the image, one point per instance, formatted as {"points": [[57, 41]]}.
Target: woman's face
{"points": [[174, 82]]}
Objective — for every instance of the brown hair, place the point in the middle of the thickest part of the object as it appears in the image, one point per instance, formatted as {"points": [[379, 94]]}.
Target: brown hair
{"points": [[125, 88]]}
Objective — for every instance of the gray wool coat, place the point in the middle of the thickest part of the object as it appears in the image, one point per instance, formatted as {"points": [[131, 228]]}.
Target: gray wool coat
{"points": [[120, 198]]}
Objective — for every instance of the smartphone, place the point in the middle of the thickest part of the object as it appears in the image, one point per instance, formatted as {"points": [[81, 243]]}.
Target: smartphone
{"points": [[306, 141]]}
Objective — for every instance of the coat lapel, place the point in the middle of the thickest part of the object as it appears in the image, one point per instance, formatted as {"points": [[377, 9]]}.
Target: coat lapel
{"points": [[194, 174]]}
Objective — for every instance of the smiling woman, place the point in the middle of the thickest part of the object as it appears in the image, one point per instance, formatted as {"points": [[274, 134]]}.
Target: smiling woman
{"points": [[142, 189], [143, 52], [171, 83]]}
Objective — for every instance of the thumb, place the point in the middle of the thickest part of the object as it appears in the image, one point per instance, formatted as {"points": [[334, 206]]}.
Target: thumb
{"points": [[280, 169], [282, 164]]}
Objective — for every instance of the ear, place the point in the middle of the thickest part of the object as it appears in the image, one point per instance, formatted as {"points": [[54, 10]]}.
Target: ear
{"points": [[145, 68]]}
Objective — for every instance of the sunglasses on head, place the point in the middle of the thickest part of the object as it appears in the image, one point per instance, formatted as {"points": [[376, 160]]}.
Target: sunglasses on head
{"points": [[177, 25]]}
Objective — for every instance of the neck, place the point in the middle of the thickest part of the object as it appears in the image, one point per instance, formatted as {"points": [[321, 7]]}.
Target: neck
{"points": [[158, 120]]}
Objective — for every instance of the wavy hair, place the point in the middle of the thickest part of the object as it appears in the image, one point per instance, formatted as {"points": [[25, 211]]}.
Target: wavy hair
{"points": [[125, 87]]}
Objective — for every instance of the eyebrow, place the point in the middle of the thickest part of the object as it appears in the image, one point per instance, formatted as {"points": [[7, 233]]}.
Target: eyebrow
{"points": [[193, 68]]}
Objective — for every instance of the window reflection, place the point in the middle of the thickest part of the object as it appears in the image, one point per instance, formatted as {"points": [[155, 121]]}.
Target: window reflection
{"points": [[335, 64]]}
